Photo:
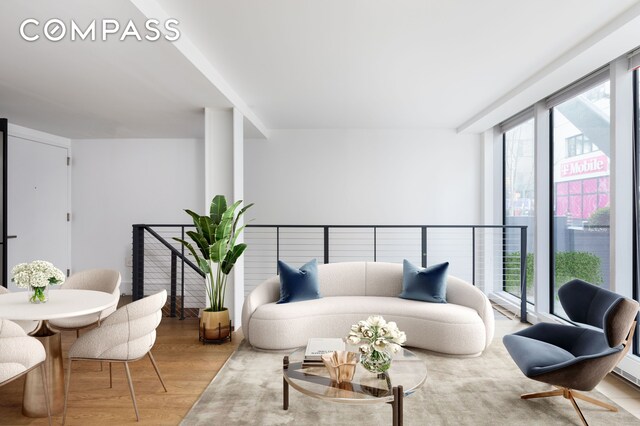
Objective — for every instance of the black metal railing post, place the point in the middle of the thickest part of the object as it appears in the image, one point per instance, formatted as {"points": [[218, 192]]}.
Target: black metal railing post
{"points": [[277, 249], [473, 255], [523, 274], [424, 246], [182, 276], [137, 290], [375, 244], [326, 244], [174, 283]]}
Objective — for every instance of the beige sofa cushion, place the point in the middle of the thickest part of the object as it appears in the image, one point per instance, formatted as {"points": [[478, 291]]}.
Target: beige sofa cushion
{"points": [[447, 328], [383, 279], [342, 279]]}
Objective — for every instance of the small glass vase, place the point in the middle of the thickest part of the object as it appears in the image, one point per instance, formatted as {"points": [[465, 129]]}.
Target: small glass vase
{"points": [[376, 361], [38, 294]]}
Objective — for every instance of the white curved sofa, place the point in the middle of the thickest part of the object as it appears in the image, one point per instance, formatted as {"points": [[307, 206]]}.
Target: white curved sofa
{"points": [[351, 292]]}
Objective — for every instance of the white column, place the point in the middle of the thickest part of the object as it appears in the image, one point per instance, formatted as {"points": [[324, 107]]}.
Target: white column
{"points": [[218, 154], [621, 166], [238, 194], [542, 245], [223, 166]]}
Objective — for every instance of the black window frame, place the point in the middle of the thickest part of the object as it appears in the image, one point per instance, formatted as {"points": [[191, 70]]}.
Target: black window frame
{"points": [[636, 200]]}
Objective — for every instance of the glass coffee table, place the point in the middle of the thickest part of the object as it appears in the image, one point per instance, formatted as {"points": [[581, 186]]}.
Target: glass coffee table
{"points": [[407, 374]]}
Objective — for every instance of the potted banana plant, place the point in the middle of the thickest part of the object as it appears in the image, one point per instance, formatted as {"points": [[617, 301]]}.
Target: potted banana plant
{"points": [[216, 253]]}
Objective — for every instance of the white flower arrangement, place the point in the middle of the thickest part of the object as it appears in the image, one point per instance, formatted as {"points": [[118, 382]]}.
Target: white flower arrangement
{"points": [[38, 273], [377, 335]]}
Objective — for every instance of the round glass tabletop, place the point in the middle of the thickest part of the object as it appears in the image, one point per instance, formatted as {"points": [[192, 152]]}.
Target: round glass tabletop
{"points": [[407, 370]]}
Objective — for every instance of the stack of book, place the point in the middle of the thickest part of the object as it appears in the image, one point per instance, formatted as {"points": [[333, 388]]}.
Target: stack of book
{"points": [[317, 346]]}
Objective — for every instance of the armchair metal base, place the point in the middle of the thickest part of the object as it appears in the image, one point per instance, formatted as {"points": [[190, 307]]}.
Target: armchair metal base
{"points": [[571, 395]]}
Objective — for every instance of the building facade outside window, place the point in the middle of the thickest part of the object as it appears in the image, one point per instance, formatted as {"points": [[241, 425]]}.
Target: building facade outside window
{"points": [[580, 189]]}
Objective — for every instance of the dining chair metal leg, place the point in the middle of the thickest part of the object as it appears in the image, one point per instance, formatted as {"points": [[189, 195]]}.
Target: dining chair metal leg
{"points": [[66, 391], [133, 395], [110, 376], [45, 385], [155, 367]]}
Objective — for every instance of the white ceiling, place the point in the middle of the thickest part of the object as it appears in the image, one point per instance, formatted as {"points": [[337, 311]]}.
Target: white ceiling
{"points": [[296, 64], [97, 89], [380, 63]]}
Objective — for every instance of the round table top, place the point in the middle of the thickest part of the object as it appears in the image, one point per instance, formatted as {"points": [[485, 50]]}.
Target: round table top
{"points": [[62, 303], [407, 370]]}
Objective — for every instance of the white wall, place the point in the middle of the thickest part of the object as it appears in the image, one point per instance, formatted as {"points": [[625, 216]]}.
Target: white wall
{"points": [[428, 176], [120, 182]]}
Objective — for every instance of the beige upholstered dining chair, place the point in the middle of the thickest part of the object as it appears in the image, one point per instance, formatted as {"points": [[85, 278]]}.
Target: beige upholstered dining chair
{"points": [[126, 335], [20, 354], [28, 326], [104, 280]]}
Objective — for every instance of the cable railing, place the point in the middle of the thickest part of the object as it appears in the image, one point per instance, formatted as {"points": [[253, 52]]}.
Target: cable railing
{"points": [[491, 257], [158, 261]]}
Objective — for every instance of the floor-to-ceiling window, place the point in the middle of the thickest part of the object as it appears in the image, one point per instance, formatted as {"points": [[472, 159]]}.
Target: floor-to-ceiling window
{"points": [[636, 199], [519, 203], [580, 132]]}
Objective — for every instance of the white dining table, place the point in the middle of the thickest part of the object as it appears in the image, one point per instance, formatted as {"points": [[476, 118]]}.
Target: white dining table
{"points": [[62, 303]]}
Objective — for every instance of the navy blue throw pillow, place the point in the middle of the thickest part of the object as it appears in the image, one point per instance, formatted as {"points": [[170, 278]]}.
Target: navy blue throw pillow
{"points": [[298, 284], [426, 284]]}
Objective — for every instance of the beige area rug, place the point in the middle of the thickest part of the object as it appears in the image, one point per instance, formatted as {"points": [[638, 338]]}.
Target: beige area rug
{"points": [[459, 391]]}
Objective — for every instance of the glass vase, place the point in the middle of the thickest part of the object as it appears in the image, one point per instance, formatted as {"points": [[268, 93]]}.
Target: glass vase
{"points": [[38, 294], [376, 361]]}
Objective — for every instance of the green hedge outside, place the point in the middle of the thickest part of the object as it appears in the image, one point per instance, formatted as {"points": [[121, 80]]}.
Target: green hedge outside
{"points": [[569, 265]]}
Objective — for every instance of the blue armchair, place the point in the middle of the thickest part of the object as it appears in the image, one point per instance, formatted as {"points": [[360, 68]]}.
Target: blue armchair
{"points": [[576, 357]]}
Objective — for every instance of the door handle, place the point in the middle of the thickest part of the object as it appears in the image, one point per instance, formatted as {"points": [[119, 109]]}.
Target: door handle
{"points": [[11, 236]]}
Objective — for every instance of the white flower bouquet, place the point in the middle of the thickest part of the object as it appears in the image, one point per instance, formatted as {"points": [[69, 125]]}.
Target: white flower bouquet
{"points": [[376, 338], [37, 276]]}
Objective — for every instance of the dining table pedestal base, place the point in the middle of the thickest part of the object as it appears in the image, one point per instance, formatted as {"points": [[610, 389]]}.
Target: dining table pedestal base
{"points": [[33, 403]]}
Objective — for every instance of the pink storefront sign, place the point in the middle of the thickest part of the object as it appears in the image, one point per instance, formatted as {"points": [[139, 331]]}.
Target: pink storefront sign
{"points": [[585, 166]]}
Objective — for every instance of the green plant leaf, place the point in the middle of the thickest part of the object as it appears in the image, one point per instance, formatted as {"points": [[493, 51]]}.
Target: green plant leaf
{"points": [[206, 226], [204, 266], [196, 219], [236, 235], [217, 209], [223, 230], [240, 213], [218, 250], [231, 258], [201, 242], [190, 248], [231, 210]]}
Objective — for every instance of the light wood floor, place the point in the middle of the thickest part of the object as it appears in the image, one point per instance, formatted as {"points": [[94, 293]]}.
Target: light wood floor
{"points": [[186, 366]]}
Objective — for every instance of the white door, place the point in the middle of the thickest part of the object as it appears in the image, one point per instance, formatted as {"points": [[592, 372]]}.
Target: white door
{"points": [[37, 204]]}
